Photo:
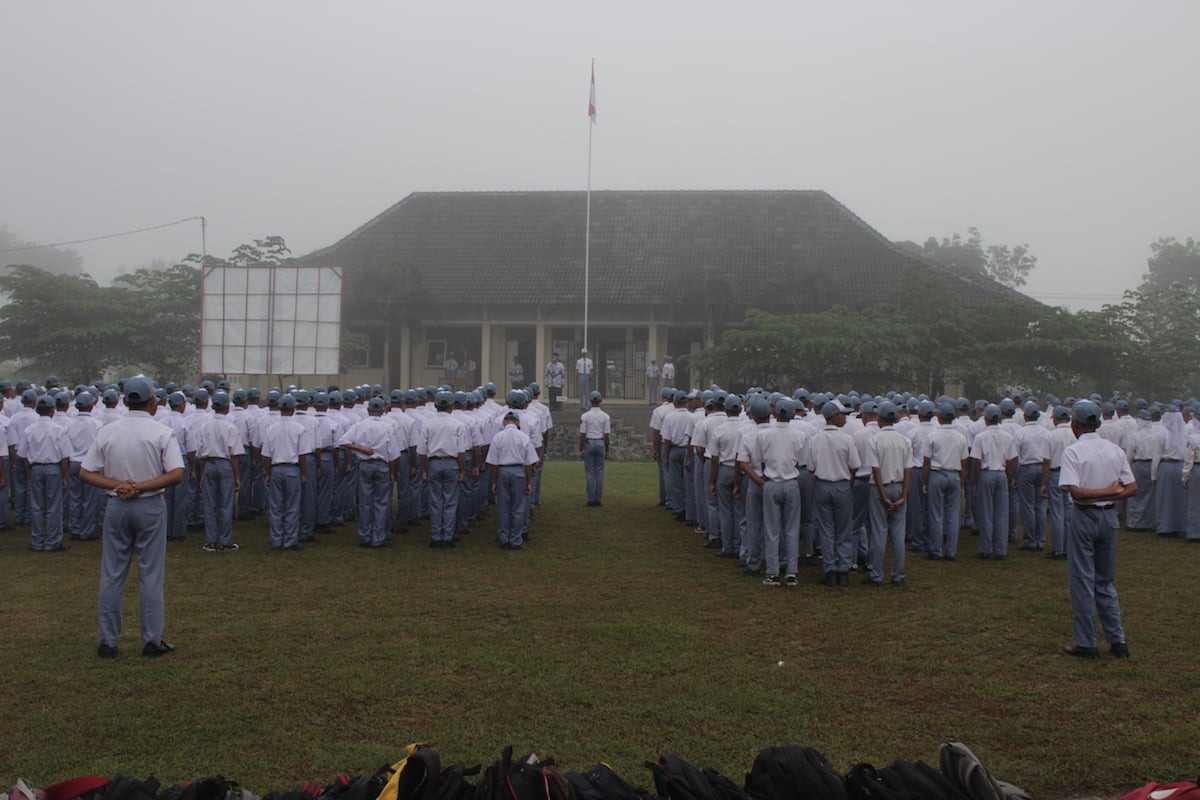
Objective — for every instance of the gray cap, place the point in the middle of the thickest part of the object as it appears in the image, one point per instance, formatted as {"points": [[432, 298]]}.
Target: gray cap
{"points": [[831, 409], [45, 401], [758, 407], [220, 400], [595, 397], [287, 402], [888, 411], [1061, 413], [992, 413], [1086, 412], [376, 404], [785, 409], [138, 390]]}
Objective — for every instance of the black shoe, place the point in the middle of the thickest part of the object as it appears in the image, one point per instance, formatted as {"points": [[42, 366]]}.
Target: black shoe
{"points": [[897, 581], [1120, 650], [984, 556], [712, 544], [1081, 652], [156, 649], [808, 561], [364, 544], [58, 548], [1029, 548], [106, 651], [724, 554], [829, 579], [435, 543], [872, 582], [932, 557], [843, 579], [752, 573], [293, 548]]}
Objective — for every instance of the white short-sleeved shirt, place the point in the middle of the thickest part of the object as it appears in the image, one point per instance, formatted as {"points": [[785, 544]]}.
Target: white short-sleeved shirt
{"points": [[373, 432], [284, 440], [511, 446], [776, 452], [993, 448], [946, 448], [594, 423], [44, 442], [1094, 463], [134, 448], [443, 437], [832, 455], [219, 438], [891, 452]]}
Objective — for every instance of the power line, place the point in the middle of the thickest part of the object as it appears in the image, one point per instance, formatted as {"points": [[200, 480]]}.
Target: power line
{"points": [[107, 236]]}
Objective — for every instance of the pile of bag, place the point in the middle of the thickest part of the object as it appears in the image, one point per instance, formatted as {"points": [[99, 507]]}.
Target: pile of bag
{"points": [[788, 772]]}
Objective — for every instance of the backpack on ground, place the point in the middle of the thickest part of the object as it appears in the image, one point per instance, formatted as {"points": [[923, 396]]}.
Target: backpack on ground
{"points": [[528, 778], [964, 769], [864, 782], [923, 782], [676, 778], [791, 772], [601, 782]]}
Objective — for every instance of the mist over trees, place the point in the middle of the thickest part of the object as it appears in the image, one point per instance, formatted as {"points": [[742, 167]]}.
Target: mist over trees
{"points": [[146, 321], [1145, 345], [57, 260]]}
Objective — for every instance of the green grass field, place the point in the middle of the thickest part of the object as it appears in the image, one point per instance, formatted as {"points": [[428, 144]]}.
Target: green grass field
{"points": [[612, 636]]}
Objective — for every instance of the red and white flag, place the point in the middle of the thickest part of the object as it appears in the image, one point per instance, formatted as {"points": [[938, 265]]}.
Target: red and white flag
{"points": [[592, 96]]}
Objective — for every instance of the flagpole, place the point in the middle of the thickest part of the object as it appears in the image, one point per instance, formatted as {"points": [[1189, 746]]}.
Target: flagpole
{"points": [[587, 235]]}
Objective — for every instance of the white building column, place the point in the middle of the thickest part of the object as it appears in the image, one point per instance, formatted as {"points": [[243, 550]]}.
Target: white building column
{"points": [[486, 368]]}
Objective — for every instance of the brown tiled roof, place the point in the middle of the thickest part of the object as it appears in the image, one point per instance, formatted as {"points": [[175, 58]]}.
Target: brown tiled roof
{"points": [[521, 247]]}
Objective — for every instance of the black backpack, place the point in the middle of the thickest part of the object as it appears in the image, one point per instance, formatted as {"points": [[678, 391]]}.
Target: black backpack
{"points": [[676, 778], [526, 779], [864, 782], [602, 783], [791, 772], [126, 787], [923, 782]]}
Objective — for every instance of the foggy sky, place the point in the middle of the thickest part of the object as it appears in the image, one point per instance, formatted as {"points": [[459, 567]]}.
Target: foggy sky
{"points": [[1067, 125]]}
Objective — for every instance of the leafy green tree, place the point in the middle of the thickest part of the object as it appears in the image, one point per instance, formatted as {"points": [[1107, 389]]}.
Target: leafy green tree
{"points": [[1173, 263], [65, 324], [1009, 265], [164, 340], [390, 298]]}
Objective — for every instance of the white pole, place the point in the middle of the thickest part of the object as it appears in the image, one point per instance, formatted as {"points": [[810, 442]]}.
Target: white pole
{"points": [[587, 236]]}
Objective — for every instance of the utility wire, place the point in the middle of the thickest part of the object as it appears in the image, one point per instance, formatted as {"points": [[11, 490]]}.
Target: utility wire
{"points": [[99, 238]]}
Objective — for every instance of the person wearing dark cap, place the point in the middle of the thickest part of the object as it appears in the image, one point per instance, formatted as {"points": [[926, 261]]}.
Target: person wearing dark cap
{"points": [[1033, 476], [442, 445], [1058, 499], [944, 468], [1097, 475], [1145, 452], [83, 500], [371, 443], [594, 429], [176, 496], [512, 459], [723, 476], [776, 456], [218, 451], [46, 450], [995, 454], [833, 460], [18, 478], [133, 460], [285, 450], [890, 459]]}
